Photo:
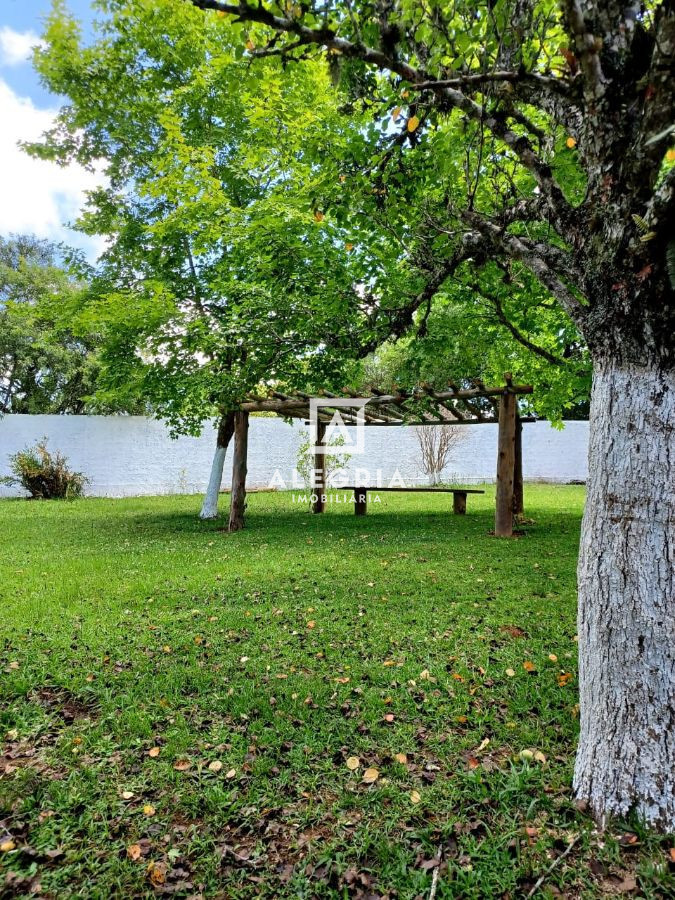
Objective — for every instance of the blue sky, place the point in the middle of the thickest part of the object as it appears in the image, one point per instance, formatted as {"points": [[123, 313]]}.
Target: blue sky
{"points": [[37, 196], [24, 16]]}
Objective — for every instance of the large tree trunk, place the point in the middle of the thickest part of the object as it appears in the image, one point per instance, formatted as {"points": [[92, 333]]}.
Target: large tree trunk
{"points": [[225, 432], [626, 757]]}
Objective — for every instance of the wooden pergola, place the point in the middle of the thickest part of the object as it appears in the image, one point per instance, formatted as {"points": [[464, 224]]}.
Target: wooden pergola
{"points": [[476, 405]]}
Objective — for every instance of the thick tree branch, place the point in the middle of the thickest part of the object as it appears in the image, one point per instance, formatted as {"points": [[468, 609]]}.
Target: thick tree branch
{"points": [[587, 46]]}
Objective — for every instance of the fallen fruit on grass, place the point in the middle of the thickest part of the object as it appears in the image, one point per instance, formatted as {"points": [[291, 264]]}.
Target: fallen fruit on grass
{"points": [[370, 776], [415, 797], [401, 758], [182, 765], [511, 673], [215, 766], [231, 773], [148, 809], [154, 752], [6, 846], [134, 851], [353, 762], [127, 795]]}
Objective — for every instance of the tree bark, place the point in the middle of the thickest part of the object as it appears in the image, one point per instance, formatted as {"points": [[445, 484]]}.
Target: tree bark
{"points": [[626, 756], [238, 496], [225, 432], [318, 480], [506, 445]]}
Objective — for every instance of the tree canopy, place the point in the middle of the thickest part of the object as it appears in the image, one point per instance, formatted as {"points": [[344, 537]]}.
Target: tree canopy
{"points": [[263, 225], [46, 365]]}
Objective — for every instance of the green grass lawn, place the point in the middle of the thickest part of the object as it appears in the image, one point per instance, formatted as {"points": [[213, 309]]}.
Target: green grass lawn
{"points": [[178, 705]]}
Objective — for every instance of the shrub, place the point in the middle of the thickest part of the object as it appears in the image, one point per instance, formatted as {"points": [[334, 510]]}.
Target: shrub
{"points": [[44, 475]]}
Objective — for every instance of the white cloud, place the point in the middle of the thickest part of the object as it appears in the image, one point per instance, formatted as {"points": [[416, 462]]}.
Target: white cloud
{"points": [[36, 195], [16, 46]]}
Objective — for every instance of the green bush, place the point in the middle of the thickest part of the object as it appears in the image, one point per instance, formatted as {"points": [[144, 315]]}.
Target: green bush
{"points": [[44, 475]]}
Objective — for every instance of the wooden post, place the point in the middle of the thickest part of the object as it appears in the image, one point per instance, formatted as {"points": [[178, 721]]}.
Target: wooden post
{"points": [[459, 503], [238, 496], [360, 501], [506, 447], [518, 507], [320, 469]]}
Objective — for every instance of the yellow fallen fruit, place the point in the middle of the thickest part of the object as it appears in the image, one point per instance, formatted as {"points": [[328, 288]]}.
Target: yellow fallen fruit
{"points": [[370, 776], [353, 763]]}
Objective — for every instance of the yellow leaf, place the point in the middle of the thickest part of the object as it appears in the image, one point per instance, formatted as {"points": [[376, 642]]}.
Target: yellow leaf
{"points": [[413, 122], [349, 247], [401, 758], [250, 45], [396, 112], [353, 762], [571, 142], [215, 766], [6, 846], [370, 776], [318, 215], [154, 752], [483, 744], [148, 809], [670, 155], [415, 797], [157, 873], [405, 94], [539, 756], [134, 851]]}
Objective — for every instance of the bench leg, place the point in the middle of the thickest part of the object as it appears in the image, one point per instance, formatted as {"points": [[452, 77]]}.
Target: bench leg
{"points": [[360, 502], [459, 503]]}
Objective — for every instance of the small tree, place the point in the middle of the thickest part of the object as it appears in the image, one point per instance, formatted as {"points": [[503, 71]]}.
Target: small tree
{"points": [[44, 475], [436, 444], [333, 462]]}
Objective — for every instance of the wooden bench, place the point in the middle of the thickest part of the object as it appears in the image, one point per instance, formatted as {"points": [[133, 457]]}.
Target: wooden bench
{"points": [[458, 496]]}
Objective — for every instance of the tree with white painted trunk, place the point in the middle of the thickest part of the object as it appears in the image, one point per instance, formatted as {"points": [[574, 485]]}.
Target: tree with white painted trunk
{"points": [[565, 113], [223, 437]]}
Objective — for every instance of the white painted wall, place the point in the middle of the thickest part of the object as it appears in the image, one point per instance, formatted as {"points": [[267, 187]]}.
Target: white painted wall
{"points": [[133, 455]]}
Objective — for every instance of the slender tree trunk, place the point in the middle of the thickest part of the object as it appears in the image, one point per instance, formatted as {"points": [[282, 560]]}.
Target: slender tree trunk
{"points": [[626, 756], [518, 500], [239, 468], [225, 432]]}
